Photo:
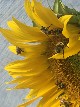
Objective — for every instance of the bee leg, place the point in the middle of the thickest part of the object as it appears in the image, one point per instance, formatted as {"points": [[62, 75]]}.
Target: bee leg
{"points": [[49, 26], [63, 53]]}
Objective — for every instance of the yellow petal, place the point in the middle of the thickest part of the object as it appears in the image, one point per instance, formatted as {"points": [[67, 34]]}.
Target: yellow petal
{"points": [[38, 11], [46, 89], [56, 104], [45, 98], [27, 63], [65, 19], [18, 80], [13, 37], [28, 49], [53, 99], [13, 26], [28, 103], [36, 83], [12, 49], [32, 93], [25, 34], [34, 31], [28, 9]]}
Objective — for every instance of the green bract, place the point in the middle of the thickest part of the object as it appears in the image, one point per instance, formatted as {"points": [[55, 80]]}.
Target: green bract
{"points": [[75, 20], [60, 8]]}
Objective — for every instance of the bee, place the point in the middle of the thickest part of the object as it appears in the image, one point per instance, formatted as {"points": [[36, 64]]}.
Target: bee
{"points": [[19, 50], [60, 85], [60, 48], [57, 31], [65, 103], [54, 32], [46, 30]]}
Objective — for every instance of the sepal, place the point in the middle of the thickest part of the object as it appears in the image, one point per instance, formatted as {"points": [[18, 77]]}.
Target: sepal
{"points": [[60, 8], [75, 19]]}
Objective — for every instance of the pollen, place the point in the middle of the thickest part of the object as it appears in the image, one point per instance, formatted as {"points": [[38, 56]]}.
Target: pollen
{"points": [[66, 72]]}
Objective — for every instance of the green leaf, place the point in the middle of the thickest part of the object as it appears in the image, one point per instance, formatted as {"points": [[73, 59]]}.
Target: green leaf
{"points": [[75, 19], [60, 8]]}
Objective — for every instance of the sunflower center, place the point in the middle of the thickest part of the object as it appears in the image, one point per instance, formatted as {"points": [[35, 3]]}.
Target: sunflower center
{"points": [[66, 72]]}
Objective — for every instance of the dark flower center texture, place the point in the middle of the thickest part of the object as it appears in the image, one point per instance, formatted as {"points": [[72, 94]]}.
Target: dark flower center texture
{"points": [[66, 72]]}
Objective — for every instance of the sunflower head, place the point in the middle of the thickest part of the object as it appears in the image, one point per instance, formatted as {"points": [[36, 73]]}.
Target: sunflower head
{"points": [[51, 64]]}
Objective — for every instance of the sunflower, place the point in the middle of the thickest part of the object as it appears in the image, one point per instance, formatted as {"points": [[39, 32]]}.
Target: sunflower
{"points": [[51, 64]]}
